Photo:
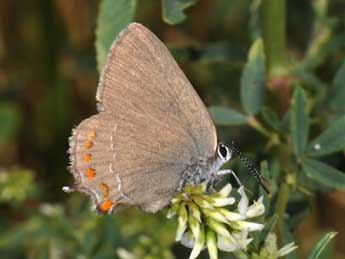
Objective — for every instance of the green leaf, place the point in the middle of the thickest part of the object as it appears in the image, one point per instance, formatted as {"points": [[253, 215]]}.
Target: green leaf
{"points": [[267, 175], [288, 238], [268, 228], [320, 246], [331, 140], [226, 116], [172, 10], [114, 15], [10, 120], [337, 91], [253, 79], [299, 121], [324, 174], [271, 118]]}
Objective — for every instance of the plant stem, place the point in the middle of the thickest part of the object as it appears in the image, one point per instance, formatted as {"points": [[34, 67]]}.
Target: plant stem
{"points": [[275, 49], [253, 122], [274, 36], [240, 254], [283, 197]]}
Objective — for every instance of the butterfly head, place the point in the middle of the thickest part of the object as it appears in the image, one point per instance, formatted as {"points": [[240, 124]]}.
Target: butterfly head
{"points": [[224, 152]]}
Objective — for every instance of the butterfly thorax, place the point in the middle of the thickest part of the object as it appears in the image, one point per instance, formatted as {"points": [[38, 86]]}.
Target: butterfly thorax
{"points": [[203, 169]]}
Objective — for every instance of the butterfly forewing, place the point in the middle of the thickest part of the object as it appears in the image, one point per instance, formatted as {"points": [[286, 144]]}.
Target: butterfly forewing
{"points": [[152, 125], [142, 74]]}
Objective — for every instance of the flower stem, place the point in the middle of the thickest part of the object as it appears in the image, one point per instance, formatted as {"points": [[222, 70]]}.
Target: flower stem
{"points": [[283, 197], [274, 15]]}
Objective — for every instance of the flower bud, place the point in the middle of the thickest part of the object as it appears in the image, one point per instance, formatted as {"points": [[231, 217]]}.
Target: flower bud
{"points": [[201, 202], [229, 215], [201, 188], [194, 210], [215, 214], [211, 242], [181, 221], [218, 227], [194, 226], [199, 244], [174, 207]]}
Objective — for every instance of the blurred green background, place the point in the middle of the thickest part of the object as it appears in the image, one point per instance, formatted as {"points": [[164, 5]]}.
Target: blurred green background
{"points": [[48, 80]]}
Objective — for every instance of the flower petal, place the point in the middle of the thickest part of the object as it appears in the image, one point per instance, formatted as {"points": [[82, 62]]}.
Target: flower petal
{"points": [[256, 209], [243, 203], [241, 238], [246, 225], [224, 192], [221, 202], [287, 249], [229, 215], [187, 240], [227, 244]]}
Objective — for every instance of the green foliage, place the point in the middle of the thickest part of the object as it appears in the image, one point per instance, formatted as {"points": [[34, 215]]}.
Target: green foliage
{"points": [[10, 121], [16, 185], [299, 121], [324, 174], [331, 140], [336, 94], [113, 16], [253, 79], [226, 116], [172, 10], [320, 246], [283, 105]]}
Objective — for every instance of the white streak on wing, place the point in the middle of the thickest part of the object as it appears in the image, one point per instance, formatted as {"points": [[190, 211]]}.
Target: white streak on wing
{"points": [[111, 141], [111, 167], [112, 145], [119, 186]]}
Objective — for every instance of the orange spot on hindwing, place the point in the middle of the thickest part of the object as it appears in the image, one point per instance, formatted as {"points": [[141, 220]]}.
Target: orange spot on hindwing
{"points": [[88, 143], [87, 157], [91, 135], [105, 190], [90, 173], [106, 204]]}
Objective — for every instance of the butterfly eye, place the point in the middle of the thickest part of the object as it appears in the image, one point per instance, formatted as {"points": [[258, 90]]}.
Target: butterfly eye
{"points": [[223, 151]]}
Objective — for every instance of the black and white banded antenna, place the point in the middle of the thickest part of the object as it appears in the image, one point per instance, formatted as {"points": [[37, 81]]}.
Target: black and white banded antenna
{"points": [[252, 168]]}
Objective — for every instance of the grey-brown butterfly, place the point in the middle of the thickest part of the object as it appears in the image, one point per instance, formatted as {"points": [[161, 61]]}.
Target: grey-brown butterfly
{"points": [[152, 135]]}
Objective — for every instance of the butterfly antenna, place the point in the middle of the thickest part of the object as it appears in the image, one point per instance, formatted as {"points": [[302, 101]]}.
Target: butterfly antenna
{"points": [[252, 168]]}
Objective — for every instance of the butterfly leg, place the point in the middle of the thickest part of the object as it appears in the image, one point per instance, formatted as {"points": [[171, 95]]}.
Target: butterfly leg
{"points": [[229, 171]]}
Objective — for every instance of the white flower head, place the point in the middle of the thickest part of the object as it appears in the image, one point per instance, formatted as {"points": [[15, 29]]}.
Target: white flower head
{"points": [[205, 221]]}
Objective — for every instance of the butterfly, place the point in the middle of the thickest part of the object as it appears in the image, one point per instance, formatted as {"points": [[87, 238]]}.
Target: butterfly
{"points": [[152, 135]]}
